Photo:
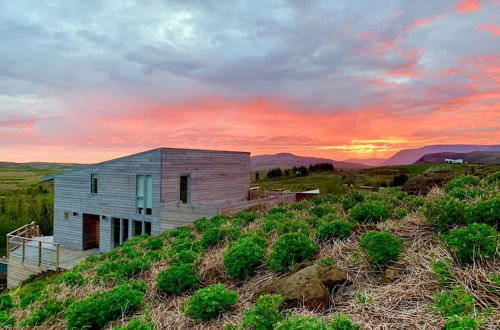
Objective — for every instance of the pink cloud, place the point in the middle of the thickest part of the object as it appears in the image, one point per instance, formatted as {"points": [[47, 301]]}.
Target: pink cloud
{"points": [[465, 6], [423, 21], [490, 28]]}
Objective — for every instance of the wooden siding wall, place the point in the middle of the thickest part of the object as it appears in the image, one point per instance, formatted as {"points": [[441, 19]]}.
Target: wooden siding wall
{"points": [[215, 176], [115, 197]]}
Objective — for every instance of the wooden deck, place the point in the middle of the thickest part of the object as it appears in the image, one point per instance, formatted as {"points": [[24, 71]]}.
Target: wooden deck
{"points": [[38, 260]]}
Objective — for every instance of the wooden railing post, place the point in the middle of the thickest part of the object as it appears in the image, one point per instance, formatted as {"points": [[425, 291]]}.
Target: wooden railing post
{"points": [[8, 246], [57, 255], [24, 249], [39, 253]]}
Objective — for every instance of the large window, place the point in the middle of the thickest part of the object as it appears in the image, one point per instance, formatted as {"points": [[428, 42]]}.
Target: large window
{"points": [[144, 194], [93, 183], [185, 188], [141, 227], [119, 229]]}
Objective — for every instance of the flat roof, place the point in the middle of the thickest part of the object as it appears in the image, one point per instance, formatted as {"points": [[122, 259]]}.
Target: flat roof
{"points": [[83, 167]]}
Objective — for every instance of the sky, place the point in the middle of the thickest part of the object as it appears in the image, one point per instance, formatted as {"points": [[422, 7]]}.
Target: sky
{"points": [[87, 81]]}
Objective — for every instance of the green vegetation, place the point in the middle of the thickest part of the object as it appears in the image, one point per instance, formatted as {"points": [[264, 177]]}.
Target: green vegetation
{"points": [[334, 230], [381, 247], [243, 257], [339, 322], [290, 249], [209, 302], [264, 314], [136, 324], [454, 302], [370, 211], [178, 278]]}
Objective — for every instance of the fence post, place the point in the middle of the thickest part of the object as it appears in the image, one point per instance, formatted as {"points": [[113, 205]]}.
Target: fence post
{"points": [[24, 249], [57, 255], [8, 246], [39, 253]]}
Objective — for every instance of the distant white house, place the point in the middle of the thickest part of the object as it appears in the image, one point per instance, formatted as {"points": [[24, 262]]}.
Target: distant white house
{"points": [[454, 161]]}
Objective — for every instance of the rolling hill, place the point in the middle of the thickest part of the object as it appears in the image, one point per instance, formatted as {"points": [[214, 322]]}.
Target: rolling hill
{"points": [[286, 160], [482, 157]]}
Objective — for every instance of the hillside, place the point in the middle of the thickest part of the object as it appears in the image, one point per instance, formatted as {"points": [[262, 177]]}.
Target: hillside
{"points": [[480, 157], [381, 259], [287, 160], [410, 156]]}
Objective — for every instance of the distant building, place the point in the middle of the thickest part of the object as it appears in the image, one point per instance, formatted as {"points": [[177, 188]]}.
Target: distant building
{"points": [[454, 161]]}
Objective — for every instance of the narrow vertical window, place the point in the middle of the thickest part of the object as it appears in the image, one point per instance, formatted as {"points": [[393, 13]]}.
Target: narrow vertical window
{"points": [[184, 188], [93, 183], [144, 194]]}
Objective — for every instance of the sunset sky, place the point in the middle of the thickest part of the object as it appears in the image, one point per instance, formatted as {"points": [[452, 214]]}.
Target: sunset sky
{"points": [[86, 81]]}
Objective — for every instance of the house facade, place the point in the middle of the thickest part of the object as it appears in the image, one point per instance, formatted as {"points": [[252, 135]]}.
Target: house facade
{"points": [[103, 205]]}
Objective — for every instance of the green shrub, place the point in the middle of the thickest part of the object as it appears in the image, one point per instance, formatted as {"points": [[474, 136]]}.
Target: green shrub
{"points": [[242, 258], [6, 320], [6, 302], [213, 236], [381, 247], [463, 322], [303, 323], [136, 324], [442, 271], [464, 193], [462, 181], [271, 220], [334, 230], [487, 212], [71, 278], [183, 257], [352, 199], [122, 269], [475, 240], [186, 244], [400, 213], [343, 322], [32, 290], [209, 302], [179, 232], [96, 310], [321, 210], [493, 178], [178, 278], [277, 210], [445, 213], [153, 243], [244, 217], [290, 249], [255, 236], [370, 211], [28, 299], [327, 261], [154, 255], [264, 314], [291, 226], [203, 224], [454, 302], [49, 310], [413, 202]]}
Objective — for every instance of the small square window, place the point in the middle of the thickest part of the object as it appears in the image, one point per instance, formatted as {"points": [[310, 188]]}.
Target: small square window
{"points": [[75, 214], [66, 215]]}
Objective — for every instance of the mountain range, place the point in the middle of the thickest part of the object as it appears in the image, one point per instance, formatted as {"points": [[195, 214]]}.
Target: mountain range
{"points": [[286, 160], [483, 157]]}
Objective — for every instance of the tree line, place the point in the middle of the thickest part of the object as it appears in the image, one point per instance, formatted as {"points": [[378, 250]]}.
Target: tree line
{"points": [[297, 171]]}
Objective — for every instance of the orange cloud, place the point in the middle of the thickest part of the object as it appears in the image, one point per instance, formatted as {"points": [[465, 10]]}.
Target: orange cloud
{"points": [[465, 6], [490, 28]]}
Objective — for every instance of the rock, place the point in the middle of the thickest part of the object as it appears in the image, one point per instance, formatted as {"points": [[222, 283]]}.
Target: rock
{"points": [[360, 229], [422, 183], [392, 273], [307, 284]]}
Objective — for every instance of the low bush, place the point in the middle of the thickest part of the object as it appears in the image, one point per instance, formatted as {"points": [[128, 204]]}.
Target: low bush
{"points": [[464, 193], [290, 249], [186, 244], [213, 236], [272, 220], [327, 261], [209, 302], [5, 302], [49, 310], [153, 243], [183, 257], [445, 213], [442, 271], [329, 231], [264, 314], [136, 324], [122, 269], [463, 322], [462, 181], [32, 290], [178, 278], [400, 213], [372, 211], [477, 240], [96, 310], [413, 202], [352, 199], [343, 322], [243, 257], [7, 320], [494, 178], [286, 226], [296, 322], [71, 278], [381, 247], [454, 302], [321, 210], [487, 212], [179, 232], [203, 223], [244, 217]]}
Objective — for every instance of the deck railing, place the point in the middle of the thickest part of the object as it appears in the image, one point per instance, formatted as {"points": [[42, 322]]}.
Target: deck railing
{"points": [[26, 244]]}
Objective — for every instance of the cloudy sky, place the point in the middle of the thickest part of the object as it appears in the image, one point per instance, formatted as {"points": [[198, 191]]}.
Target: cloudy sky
{"points": [[85, 81]]}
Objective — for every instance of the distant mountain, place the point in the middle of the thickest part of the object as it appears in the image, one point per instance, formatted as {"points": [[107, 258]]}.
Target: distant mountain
{"points": [[482, 157], [367, 161], [410, 156], [286, 160]]}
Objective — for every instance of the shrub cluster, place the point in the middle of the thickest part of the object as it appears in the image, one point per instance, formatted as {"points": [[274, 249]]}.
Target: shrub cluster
{"points": [[487, 212], [244, 217], [101, 307], [351, 199], [462, 181], [328, 231], [136, 324], [203, 223], [442, 271], [381, 247], [178, 278], [6, 320], [338, 322], [372, 211], [71, 278], [153, 243], [122, 269], [445, 212], [209, 302], [474, 241], [243, 257], [214, 235], [264, 314], [454, 302], [49, 310], [290, 249]]}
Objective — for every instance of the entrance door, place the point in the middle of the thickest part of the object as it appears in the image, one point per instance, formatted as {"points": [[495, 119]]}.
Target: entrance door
{"points": [[90, 231]]}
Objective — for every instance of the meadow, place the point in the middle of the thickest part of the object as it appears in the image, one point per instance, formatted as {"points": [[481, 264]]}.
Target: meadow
{"points": [[410, 262]]}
